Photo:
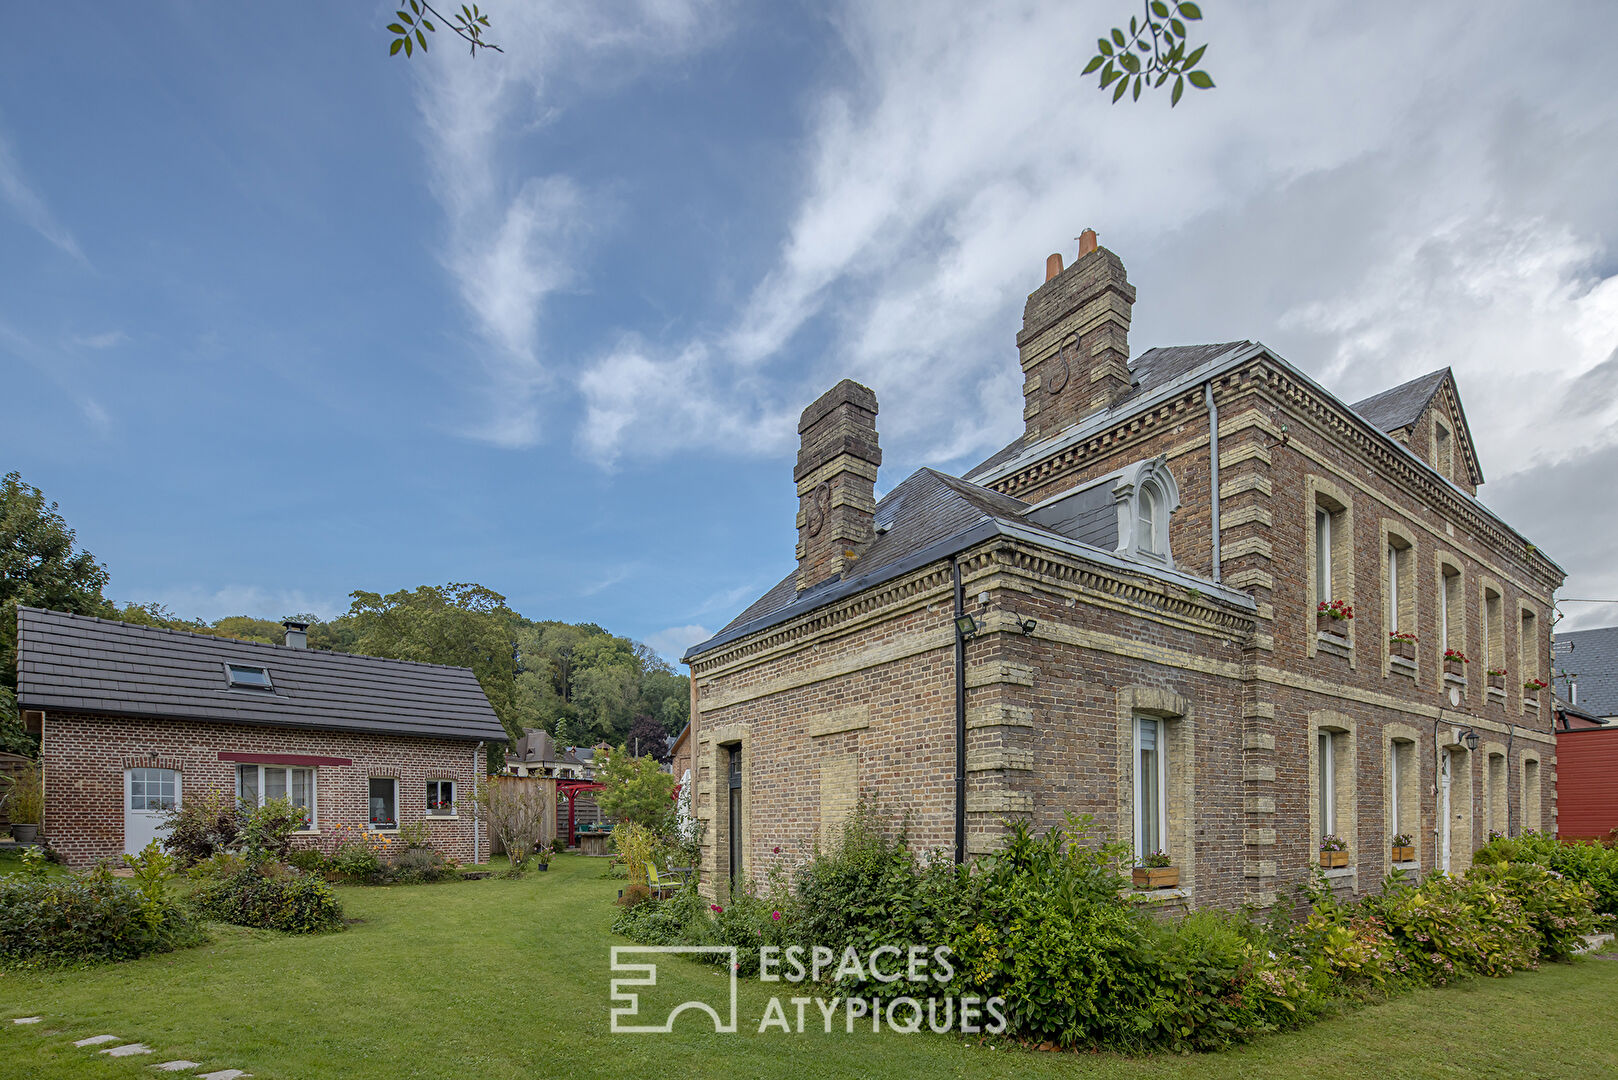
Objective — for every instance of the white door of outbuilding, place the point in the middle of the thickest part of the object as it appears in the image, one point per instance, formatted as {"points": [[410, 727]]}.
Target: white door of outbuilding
{"points": [[149, 795]]}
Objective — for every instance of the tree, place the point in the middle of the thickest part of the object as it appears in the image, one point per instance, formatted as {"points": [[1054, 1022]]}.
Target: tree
{"points": [[39, 567], [518, 810], [461, 624], [648, 739], [1159, 36], [636, 789], [411, 30]]}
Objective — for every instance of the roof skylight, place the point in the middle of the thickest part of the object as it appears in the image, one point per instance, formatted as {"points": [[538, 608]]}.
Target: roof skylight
{"points": [[247, 675]]}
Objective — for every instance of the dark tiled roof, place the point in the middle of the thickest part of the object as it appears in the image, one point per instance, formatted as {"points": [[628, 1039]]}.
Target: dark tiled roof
{"points": [[1398, 408], [1594, 659], [82, 664], [1148, 371], [926, 508]]}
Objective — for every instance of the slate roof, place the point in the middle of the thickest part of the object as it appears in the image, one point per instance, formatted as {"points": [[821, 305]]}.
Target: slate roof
{"points": [[1594, 659], [928, 517], [83, 664], [1147, 372], [1398, 408]]}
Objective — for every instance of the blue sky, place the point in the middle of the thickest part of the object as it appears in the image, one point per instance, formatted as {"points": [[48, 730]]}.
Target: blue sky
{"points": [[282, 317]]}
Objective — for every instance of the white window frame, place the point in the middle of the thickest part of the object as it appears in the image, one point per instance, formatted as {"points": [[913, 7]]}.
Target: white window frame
{"points": [[1150, 514], [371, 826], [1323, 567], [1393, 587], [1328, 782], [451, 811], [313, 822], [1393, 787], [1160, 810]]}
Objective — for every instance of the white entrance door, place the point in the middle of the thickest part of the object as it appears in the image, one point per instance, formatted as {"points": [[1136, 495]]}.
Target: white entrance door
{"points": [[149, 794], [1443, 810]]}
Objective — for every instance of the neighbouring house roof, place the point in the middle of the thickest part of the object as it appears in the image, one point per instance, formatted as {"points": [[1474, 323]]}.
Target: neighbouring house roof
{"points": [[76, 663], [1591, 656], [930, 517]]}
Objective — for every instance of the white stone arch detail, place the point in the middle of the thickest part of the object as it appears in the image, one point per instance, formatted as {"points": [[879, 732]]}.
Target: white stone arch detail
{"points": [[1154, 475]]}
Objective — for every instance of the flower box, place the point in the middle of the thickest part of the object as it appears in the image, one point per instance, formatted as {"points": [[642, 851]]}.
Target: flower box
{"points": [[1402, 647], [1404, 854], [1497, 682], [1456, 668], [1156, 877], [1333, 860]]}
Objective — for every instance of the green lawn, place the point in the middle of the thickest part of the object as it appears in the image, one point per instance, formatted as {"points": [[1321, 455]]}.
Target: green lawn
{"points": [[495, 979]]}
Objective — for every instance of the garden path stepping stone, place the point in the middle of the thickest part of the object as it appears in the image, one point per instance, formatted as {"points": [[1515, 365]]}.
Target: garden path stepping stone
{"points": [[176, 1066], [28, 1019], [97, 1040], [128, 1050], [225, 1074]]}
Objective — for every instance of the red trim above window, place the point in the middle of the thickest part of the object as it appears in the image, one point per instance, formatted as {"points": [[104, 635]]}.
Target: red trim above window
{"points": [[282, 759]]}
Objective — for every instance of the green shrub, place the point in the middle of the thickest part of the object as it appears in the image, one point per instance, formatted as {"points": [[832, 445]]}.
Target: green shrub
{"points": [[271, 896], [358, 857], [267, 831], [1592, 864], [662, 922], [635, 894], [203, 826], [1559, 908], [88, 917], [416, 865], [23, 796], [309, 861]]}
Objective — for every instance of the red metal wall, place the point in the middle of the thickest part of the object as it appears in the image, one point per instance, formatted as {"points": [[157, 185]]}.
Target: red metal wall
{"points": [[1586, 783]]}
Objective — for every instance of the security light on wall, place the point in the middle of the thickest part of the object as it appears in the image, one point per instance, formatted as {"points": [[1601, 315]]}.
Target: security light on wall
{"points": [[966, 626], [1027, 625]]}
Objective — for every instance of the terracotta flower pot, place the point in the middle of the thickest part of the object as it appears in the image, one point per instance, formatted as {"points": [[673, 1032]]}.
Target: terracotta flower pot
{"points": [[1404, 854], [1156, 877], [1332, 860]]}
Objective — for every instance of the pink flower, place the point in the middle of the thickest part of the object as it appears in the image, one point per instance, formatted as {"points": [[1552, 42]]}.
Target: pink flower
{"points": [[776, 849], [716, 909], [775, 916]]}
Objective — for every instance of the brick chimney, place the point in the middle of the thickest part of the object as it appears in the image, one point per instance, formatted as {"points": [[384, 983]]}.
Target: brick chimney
{"points": [[1074, 344], [836, 475]]}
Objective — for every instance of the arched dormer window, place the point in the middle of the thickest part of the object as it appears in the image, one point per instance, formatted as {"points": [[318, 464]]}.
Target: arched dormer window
{"points": [[1146, 495]]}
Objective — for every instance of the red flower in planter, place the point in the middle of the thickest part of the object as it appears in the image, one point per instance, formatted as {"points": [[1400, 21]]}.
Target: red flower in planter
{"points": [[1457, 655], [1335, 609]]}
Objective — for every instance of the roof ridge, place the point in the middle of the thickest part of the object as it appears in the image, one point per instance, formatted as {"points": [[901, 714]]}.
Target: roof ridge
{"points": [[241, 641]]}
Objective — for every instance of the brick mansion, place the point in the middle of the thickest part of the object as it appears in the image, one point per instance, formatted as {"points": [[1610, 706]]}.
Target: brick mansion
{"points": [[1131, 612]]}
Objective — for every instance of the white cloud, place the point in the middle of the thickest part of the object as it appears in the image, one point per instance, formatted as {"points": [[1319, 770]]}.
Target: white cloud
{"points": [[27, 205], [105, 340], [513, 239], [1375, 192], [672, 643], [964, 147]]}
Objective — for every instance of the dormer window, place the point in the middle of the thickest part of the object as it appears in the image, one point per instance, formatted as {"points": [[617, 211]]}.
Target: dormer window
{"points": [[1145, 496], [247, 675], [1150, 521]]}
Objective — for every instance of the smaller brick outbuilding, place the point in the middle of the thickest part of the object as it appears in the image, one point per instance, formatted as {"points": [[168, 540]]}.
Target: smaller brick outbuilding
{"points": [[135, 720]]}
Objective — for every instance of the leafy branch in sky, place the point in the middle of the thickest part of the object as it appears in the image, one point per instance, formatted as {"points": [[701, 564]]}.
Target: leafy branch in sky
{"points": [[413, 26], [1159, 39]]}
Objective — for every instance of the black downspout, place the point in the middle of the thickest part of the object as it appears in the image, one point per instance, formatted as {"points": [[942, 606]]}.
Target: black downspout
{"points": [[960, 717]]}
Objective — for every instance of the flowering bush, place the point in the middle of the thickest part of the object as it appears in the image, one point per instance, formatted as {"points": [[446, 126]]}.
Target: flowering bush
{"points": [[1595, 865], [359, 854], [1330, 842], [1334, 609]]}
